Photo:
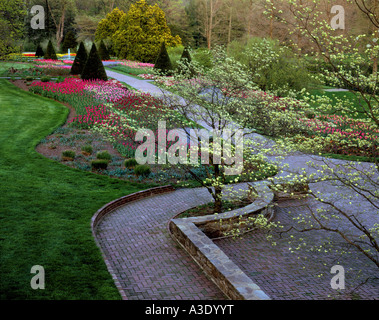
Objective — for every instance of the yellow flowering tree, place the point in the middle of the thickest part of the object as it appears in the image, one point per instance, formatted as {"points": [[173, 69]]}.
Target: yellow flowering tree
{"points": [[137, 34]]}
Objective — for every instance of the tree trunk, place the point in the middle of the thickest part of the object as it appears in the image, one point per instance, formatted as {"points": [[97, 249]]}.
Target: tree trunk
{"points": [[210, 27], [60, 28], [217, 191], [230, 26]]}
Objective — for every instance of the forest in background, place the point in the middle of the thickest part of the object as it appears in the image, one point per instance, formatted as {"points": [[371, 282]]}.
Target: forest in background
{"points": [[199, 23]]}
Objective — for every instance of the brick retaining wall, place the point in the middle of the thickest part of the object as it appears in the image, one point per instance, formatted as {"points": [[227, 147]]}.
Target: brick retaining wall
{"points": [[222, 271]]}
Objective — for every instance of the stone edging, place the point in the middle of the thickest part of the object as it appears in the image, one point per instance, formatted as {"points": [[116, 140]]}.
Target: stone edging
{"points": [[223, 272], [114, 205]]}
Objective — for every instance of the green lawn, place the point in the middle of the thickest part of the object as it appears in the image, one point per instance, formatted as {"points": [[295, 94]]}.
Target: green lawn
{"points": [[46, 207], [128, 71], [5, 66]]}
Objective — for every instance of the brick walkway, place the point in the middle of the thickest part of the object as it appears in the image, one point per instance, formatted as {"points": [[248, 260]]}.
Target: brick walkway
{"points": [[148, 263]]}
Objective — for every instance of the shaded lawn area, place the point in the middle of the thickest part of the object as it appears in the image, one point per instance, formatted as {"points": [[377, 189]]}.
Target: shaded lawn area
{"points": [[5, 66], [46, 208], [357, 101]]}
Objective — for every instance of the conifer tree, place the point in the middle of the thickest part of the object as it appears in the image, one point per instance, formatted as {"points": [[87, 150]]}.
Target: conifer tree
{"points": [[137, 34], [163, 62], [50, 52], [80, 60], [39, 51], [94, 68], [103, 51], [184, 66]]}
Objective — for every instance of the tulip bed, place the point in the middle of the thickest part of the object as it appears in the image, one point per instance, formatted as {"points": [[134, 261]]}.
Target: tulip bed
{"points": [[106, 107], [38, 68], [329, 134]]}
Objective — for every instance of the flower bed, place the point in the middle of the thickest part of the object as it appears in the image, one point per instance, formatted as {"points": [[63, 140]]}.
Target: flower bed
{"points": [[328, 134], [136, 65], [344, 136], [106, 107]]}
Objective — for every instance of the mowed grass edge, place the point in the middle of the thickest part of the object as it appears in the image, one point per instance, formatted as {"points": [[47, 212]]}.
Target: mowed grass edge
{"points": [[46, 208]]}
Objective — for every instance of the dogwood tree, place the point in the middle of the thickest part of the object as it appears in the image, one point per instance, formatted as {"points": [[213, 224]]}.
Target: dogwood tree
{"points": [[343, 195]]}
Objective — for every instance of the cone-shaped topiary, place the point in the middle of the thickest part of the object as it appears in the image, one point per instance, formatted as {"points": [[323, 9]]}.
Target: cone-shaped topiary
{"points": [[103, 51], [184, 66], [39, 51], [186, 55], [163, 62], [69, 42], [94, 68], [80, 60], [50, 52]]}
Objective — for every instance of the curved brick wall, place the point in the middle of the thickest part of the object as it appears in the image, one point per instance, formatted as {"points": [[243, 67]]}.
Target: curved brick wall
{"points": [[124, 200], [191, 234]]}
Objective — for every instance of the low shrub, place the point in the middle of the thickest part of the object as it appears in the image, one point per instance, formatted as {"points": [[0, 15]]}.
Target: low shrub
{"points": [[87, 150], [104, 155], [45, 79], [99, 164], [60, 79], [68, 155], [130, 163], [142, 170]]}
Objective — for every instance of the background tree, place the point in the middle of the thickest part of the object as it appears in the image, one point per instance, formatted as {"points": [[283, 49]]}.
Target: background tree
{"points": [[94, 68], [177, 18], [69, 42], [138, 34], [12, 14], [59, 11], [80, 60], [86, 26]]}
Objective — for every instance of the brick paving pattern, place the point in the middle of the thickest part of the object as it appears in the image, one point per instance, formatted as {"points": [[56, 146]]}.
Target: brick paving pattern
{"points": [[148, 263], [301, 275]]}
